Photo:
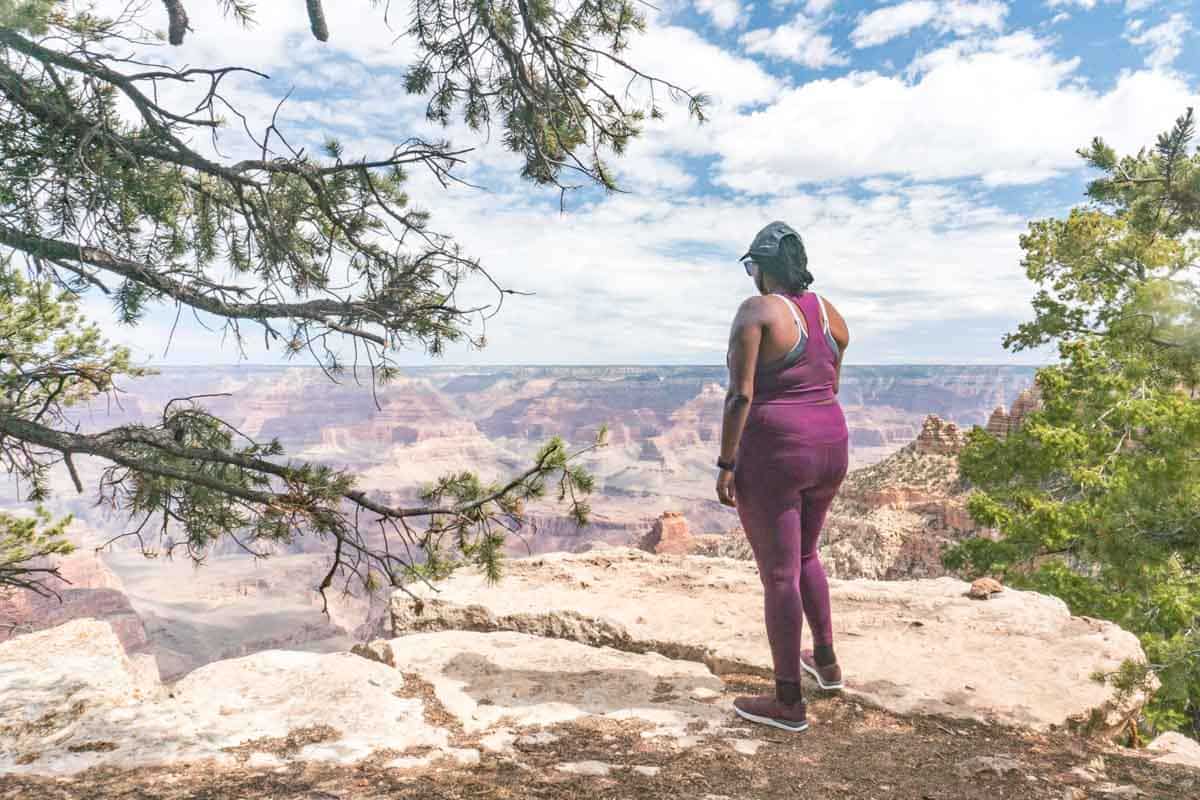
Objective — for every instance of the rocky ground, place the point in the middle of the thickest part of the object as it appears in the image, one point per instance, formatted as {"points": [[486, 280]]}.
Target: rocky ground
{"points": [[850, 751], [605, 674]]}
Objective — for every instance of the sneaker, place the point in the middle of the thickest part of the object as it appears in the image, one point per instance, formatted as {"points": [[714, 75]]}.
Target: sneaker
{"points": [[828, 677], [768, 710]]}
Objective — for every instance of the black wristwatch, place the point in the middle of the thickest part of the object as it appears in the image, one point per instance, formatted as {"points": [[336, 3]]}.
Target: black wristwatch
{"points": [[725, 464]]}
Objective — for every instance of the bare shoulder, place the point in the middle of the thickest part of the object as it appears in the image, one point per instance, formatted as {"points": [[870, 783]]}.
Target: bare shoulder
{"points": [[754, 307]]}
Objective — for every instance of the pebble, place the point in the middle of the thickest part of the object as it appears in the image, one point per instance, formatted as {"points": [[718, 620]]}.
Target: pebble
{"points": [[594, 768]]}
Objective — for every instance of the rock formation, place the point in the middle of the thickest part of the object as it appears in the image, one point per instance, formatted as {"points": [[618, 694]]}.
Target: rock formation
{"points": [[892, 519], [70, 700], [1002, 422], [89, 589], [909, 647], [939, 437], [669, 535]]}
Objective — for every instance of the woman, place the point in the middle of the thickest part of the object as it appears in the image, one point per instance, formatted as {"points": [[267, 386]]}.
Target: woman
{"points": [[784, 453]]}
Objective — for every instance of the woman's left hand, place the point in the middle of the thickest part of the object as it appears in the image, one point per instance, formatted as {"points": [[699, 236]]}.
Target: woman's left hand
{"points": [[725, 488]]}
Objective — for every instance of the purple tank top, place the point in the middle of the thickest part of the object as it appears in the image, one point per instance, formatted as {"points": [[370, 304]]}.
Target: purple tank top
{"points": [[810, 379]]}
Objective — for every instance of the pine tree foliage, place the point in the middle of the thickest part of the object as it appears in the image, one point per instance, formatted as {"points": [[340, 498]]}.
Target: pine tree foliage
{"points": [[28, 546], [1098, 492], [102, 190]]}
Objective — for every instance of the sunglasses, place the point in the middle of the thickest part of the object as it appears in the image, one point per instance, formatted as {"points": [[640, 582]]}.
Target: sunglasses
{"points": [[749, 265]]}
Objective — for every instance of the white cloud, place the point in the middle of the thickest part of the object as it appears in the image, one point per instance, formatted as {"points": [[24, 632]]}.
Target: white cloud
{"points": [[896, 263], [1005, 110], [725, 14], [1131, 6], [815, 7], [800, 40], [885, 24], [1164, 41], [964, 17], [910, 258], [954, 16]]}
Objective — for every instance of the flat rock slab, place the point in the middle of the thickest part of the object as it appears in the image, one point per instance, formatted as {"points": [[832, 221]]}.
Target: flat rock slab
{"points": [[493, 681], [921, 646], [70, 699]]}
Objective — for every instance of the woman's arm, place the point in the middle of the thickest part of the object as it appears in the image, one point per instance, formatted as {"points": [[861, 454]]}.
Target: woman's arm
{"points": [[841, 335], [745, 337]]}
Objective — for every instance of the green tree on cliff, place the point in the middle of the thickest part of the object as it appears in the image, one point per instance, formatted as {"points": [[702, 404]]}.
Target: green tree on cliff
{"points": [[102, 190], [1098, 493]]}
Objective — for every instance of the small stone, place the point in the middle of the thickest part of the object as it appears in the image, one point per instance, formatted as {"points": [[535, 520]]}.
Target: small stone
{"points": [[263, 760], [649, 772], [1080, 775], [498, 741], [983, 588], [466, 756], [409, 762], [1074, 793], [704, 693], [1114, 790], [996, 765], [541, 737], [596, 769], [746, 747], [379, 650]]}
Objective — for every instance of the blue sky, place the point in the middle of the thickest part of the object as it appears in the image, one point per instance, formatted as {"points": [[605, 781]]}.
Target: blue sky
{"points": [[910, 143]]}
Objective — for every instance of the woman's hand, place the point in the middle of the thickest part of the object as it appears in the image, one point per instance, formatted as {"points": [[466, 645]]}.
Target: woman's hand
{"points": [[725, 488]]}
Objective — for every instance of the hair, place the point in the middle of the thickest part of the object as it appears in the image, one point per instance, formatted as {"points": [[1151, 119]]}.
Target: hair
{"points": [[790, 267]]}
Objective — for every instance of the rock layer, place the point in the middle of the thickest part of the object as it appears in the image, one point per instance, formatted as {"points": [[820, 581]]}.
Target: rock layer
{"points": [[909, 647], [89, 589]]}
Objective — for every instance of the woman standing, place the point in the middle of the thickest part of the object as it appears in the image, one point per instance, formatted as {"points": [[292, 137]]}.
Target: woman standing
{"points": [[784, 453]]}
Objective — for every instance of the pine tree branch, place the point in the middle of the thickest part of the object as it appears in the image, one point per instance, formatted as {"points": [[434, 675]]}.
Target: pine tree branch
{"points": [[113, 445], [325, 312]]}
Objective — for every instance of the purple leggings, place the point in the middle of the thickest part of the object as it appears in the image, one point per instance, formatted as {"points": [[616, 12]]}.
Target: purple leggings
{"points": [[786, 478]]}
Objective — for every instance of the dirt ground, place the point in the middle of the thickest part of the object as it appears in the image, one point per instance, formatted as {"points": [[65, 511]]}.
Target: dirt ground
{"points": [[849, 751]]}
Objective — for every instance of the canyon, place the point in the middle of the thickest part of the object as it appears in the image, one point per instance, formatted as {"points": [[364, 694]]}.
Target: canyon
{"points": [[608, 654], [898, 507]]}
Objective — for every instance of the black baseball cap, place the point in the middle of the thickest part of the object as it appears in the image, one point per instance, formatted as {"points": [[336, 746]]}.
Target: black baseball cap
{"points": [[766, 242]]}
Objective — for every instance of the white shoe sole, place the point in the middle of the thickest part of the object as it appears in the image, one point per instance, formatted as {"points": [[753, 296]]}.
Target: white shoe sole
{"points": [[817, 677], [771, 722]]}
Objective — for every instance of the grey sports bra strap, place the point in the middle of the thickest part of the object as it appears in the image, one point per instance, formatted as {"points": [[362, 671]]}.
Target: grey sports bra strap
{"points": [[792, 308]]}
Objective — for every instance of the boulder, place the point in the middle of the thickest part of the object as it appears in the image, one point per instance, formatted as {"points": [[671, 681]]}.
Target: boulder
{"points": [[983, 588], [70, 699], [1175, 748], [377, 650], [906, 646]]}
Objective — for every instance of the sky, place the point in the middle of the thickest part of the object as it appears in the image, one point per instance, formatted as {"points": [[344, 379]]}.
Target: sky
{"points": [[909, 143]]}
